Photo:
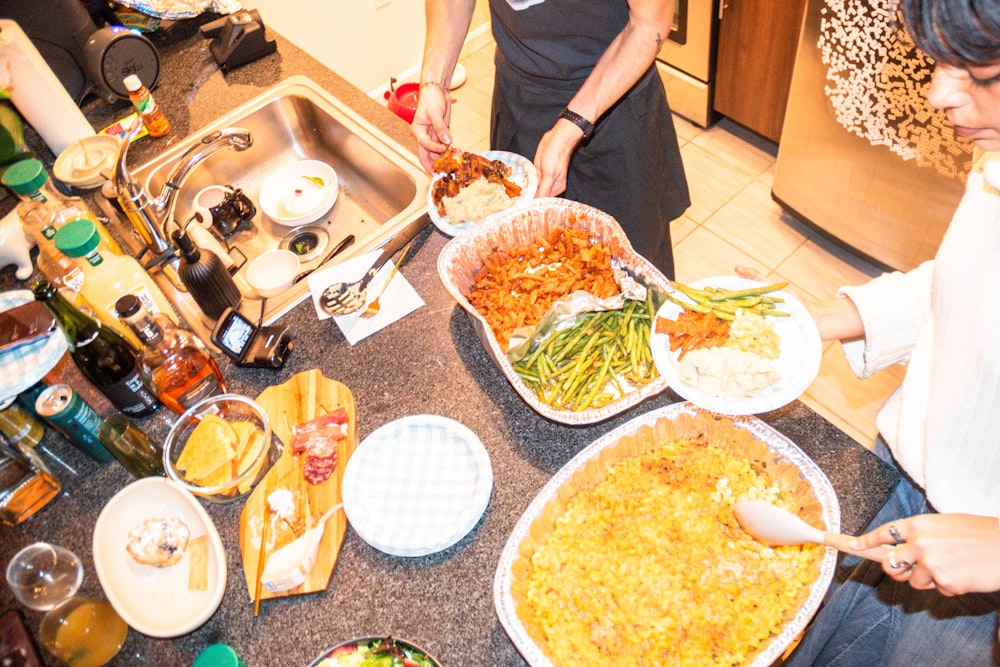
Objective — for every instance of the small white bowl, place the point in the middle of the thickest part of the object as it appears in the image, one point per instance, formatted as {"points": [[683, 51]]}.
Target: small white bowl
{"points": [[272, 272], [291, 196]]}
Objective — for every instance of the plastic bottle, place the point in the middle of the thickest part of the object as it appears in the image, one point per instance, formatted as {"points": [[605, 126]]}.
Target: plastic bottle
{"points": [[173, 363], [108, 276], [152, 115], [101, 354], [206, 278], [43, 208]]}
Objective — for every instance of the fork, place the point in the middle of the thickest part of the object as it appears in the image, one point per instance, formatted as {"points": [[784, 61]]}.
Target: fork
{"points": [[373, 307]]}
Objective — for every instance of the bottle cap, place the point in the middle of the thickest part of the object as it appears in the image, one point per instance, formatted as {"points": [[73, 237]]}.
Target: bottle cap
{"points": [[77, 238], [128, 305], [218, 655], [132, 83], [25, 176]]}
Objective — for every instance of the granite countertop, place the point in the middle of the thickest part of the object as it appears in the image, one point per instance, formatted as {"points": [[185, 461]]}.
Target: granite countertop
{"points": [[428, 363]]}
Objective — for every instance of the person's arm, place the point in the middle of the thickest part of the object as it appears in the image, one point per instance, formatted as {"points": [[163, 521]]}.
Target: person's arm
{"points": [[955, 553], [837, 319], [447, 25], [626, 59]]}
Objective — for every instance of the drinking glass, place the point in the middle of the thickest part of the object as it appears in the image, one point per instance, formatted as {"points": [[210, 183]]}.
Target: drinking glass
{"points": [[82, 632], [43, 575]]}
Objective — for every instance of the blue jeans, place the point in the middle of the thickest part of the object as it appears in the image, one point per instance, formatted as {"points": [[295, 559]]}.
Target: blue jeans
{"points": [[871, 620]]}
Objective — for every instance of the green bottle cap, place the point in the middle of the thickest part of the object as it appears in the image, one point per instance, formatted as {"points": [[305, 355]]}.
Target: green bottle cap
{"points": [[77, 237], [25, 176], [218, 655]]}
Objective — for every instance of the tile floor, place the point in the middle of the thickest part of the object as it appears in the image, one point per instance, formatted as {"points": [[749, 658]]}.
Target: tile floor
{"points": [[732, 222]]}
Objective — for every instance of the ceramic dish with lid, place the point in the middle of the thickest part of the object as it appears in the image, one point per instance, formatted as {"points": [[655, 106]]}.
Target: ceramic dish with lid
{"points": [[299, 193], [417, 485], [158, 601], [522, 173]]}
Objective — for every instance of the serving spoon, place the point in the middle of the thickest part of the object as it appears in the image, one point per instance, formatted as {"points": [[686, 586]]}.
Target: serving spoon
{"points": [[776, 526]]}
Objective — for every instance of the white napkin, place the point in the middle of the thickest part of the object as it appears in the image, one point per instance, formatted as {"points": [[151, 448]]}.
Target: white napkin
{"points": [[398, 300]]}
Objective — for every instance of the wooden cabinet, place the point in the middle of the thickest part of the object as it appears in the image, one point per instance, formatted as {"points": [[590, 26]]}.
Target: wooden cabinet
{"points": [[753, 71]]}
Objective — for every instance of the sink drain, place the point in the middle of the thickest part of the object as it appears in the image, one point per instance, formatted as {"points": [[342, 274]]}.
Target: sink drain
{"points": [[307, 242]]}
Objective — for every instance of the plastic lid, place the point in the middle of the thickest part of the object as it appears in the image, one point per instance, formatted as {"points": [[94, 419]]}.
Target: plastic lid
{"points": [[218, 655], [132, 83], [77, 238], [25, 176]]}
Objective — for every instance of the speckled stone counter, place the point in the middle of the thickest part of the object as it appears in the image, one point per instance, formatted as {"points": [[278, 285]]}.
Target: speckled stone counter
{"points": [[429, 362]]}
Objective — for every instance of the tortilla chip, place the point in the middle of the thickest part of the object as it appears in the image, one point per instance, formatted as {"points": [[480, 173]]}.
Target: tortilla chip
{"points": [[250, 456], [198, 563], [210, 446]]}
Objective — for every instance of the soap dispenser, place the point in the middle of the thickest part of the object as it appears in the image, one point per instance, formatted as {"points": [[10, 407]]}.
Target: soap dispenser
{"points": [[205, 277]]}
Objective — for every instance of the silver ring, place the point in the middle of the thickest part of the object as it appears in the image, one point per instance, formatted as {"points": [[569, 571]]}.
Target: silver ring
{"points": [[903, 564], [896, 535]]}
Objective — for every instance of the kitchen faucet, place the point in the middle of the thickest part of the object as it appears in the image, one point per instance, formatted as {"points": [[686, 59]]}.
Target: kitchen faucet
{"points": [[151, 216]]}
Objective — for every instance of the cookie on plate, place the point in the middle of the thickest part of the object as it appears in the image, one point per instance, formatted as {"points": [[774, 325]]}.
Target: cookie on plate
{"points": [[160, 542]]}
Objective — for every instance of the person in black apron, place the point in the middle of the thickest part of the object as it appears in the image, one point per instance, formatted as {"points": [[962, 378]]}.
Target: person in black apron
{"points": [[577, 90]]}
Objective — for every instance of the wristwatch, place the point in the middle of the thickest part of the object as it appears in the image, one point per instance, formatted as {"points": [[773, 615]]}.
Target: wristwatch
{"points": [[579, 121]]}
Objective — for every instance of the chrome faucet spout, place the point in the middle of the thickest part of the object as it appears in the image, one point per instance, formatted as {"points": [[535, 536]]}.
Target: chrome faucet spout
{"points": [[151, 216]]}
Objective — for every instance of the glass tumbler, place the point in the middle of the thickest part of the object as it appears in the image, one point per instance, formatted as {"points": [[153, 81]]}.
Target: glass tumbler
{"points": [[82, 632], [43, 575]]}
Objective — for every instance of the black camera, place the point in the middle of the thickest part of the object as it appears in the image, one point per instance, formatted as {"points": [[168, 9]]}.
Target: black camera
{"points": [[249, 344]]}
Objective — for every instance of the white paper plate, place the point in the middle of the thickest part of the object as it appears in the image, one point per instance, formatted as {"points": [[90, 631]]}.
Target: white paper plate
{"points": [[801, 353], [417, 485], [522, 173], [156, 601]]}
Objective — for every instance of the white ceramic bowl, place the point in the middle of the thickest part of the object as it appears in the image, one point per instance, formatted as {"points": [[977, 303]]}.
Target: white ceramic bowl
{"points": [[293, 196], [272, 272]]}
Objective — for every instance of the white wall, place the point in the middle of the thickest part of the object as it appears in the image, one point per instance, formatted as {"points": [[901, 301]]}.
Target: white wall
{"points": [[363, 43]]}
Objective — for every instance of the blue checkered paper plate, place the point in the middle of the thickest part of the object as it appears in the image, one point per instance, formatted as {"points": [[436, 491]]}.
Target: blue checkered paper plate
{"points": [[417, 485], [25, 365]]}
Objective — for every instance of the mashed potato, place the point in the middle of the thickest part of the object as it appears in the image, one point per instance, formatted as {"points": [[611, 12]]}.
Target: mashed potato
{"points": [[476, 200], [725, 371]]}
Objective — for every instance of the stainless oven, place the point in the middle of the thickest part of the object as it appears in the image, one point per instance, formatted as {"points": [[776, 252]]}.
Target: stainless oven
{"points": [[687, 60]]}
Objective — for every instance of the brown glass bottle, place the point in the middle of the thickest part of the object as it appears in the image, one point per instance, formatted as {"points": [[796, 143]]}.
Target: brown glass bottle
{"points": [[173, 363]]}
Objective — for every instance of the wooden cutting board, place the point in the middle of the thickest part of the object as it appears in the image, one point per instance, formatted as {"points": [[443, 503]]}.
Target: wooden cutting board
{"points": [[304, 396]]}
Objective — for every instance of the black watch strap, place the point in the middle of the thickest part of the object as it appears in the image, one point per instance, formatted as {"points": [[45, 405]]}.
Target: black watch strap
{"points": [[579, 121]]}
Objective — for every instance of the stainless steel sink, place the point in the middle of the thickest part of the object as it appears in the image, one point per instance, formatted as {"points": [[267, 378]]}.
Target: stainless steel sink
{"points": [[383, 187]]}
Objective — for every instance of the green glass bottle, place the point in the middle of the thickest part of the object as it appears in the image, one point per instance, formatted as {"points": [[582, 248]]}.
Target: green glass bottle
{"points": [[102, 355]]}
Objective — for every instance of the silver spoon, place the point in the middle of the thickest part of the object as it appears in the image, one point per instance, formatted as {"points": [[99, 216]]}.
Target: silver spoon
{"points": [[776, 526], [346, 298]]}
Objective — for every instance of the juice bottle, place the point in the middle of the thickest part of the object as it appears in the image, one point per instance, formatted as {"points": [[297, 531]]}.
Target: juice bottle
{"points": [[43, 209], [152, 115], [109, 276]]}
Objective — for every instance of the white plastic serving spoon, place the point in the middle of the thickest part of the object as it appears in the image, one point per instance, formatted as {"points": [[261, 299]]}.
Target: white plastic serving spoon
{"points": [[776, 526]]}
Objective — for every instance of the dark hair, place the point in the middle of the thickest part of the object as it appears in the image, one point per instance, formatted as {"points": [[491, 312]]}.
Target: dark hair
{"points": [[955, 31]]}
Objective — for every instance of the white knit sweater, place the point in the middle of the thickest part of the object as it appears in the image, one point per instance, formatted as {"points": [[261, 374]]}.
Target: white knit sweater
{"points": [[943, 320]]}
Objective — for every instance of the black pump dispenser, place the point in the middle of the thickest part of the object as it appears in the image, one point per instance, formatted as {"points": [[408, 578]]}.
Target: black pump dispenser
{"points": [[205, 277]]}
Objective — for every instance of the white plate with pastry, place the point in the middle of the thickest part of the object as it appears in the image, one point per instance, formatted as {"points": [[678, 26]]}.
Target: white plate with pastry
{"points": [[159, 558]]}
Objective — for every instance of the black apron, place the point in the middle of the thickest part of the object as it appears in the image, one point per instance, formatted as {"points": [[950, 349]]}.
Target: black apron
{"points": [[630, 168]]}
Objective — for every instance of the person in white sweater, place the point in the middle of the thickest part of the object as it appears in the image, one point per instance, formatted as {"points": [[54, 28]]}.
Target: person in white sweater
{"points": [[933, 598]]}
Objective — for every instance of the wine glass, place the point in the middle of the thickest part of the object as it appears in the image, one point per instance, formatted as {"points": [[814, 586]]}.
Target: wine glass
{"points": [[43, 575]]}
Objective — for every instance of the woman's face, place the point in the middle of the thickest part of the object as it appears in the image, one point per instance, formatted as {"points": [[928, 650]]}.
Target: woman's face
{"points": [[970, 96]]}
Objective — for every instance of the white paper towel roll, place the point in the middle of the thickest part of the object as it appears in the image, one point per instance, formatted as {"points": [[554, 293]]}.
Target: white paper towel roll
{"points": [[36, 91]]}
